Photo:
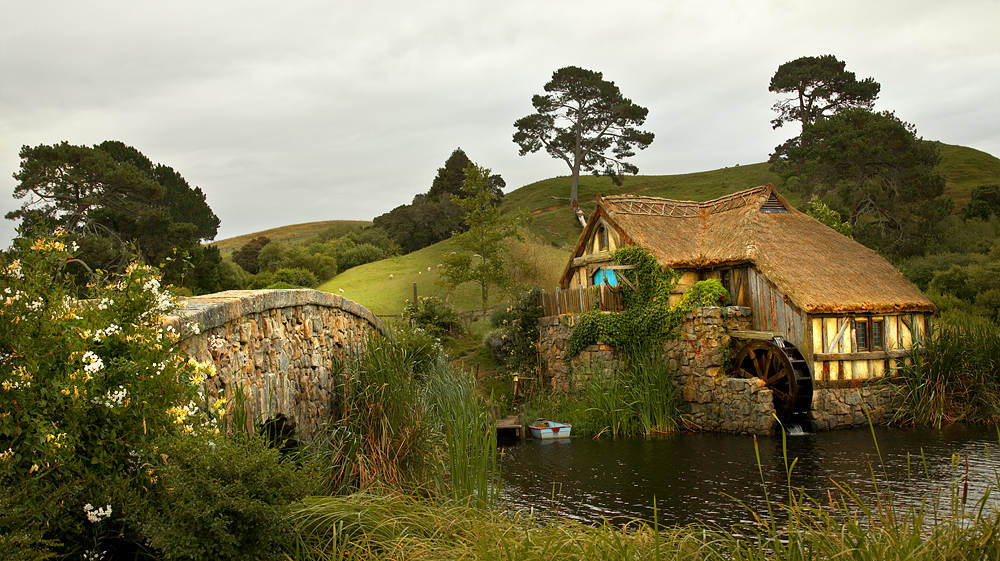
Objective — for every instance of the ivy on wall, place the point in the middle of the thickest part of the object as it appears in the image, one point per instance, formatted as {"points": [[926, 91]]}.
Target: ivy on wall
{"points": [[648, 319]]}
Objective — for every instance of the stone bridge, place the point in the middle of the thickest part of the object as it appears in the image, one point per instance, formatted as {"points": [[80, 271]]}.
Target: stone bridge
{"points": [[280, 344]]}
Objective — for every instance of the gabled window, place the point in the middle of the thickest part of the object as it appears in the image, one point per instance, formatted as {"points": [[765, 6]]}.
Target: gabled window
{"points": [[602, 238], [772, 204]]}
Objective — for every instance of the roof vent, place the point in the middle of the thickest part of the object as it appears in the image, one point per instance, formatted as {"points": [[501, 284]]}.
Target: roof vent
{"points": [[772, 204]]}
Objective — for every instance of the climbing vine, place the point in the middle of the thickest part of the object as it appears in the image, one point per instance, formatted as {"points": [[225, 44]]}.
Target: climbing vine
{"points": [[648, 319]]}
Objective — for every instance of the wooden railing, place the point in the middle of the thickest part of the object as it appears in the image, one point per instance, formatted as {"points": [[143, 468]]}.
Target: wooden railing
{"points": [[581, 299]]}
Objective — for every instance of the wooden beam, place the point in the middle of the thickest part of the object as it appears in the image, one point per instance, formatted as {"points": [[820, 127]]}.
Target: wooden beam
{"points": [[757, 335], [592, 258], [872, 355], [840, 334]]}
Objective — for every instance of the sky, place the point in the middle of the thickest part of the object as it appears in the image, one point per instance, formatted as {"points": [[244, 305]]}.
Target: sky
{"points": [[289, 112]]}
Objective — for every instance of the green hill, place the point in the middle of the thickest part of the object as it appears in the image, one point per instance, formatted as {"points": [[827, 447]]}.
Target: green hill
{"points": [[555, 230], [290, 233]]}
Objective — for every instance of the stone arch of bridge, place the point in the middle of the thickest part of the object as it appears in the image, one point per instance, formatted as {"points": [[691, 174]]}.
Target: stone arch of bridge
{"points": [[278, 345]]}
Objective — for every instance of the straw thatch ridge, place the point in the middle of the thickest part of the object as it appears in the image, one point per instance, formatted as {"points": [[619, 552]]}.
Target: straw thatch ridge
{"points": [[819, 270]]}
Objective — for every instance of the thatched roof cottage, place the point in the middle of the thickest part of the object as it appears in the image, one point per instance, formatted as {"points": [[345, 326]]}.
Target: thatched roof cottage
{"points": [[832, 303]]}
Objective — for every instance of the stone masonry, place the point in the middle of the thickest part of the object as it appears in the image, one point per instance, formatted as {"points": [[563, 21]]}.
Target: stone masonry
{"points": [[280, 344], [709, 400]]}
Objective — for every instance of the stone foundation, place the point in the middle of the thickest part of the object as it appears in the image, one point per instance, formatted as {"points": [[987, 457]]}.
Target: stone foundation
{"points": [[845, 406], [280, 344]]}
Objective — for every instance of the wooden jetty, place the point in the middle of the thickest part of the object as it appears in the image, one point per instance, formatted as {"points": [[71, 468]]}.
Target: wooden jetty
{"points": [[511, 427]]}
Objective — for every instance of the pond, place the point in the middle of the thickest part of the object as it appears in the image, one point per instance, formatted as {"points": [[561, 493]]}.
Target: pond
{"points": [[703, 477]]}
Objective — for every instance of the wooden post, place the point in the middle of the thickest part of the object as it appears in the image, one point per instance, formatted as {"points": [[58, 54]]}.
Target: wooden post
{"points": [[415, 306]]}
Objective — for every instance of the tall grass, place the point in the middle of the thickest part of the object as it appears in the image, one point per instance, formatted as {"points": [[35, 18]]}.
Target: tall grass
{"points": [[380, 436], [469, 437], [955, 378], [638, 398]]}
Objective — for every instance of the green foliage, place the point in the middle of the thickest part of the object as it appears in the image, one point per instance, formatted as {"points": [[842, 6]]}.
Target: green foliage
{"points": [[433, 315], [359, 255], [222, 498], [246, 256], [599, 120], [470, 436], [818, 210], [514, 341], [110, 199], [819, 87], [484, 256], [946, 383], [87, 385], [984, 202], [648, 319]]}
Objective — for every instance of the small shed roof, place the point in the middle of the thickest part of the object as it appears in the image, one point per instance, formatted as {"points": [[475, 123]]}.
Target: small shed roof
{"points": [[818, 269]]}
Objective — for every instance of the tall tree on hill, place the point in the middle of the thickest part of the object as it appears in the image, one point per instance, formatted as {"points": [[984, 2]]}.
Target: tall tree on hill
{"points": [[484, 256], [434, 216], [109, 197], [585, 121], [882, 173], [818, 87]]}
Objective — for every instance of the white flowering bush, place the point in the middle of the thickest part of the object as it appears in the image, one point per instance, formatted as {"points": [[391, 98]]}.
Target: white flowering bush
{"points": [[86, 386]]}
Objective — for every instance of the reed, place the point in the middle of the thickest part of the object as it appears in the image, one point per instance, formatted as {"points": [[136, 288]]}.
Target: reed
{"points": [[954, 378], [469, 437], [637, 398]]}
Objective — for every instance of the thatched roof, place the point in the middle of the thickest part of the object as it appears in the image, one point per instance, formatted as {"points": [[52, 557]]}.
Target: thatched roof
{"points": [[818, 269]]}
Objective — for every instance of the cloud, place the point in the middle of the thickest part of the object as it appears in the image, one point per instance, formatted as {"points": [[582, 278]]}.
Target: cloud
{"points": [[301, 111]]}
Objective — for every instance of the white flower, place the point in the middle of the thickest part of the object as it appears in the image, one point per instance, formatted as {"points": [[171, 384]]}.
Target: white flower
{"points": [[216, 343], [94, 362], [96, 515]]}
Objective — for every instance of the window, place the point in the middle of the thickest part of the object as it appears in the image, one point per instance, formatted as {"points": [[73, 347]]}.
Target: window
{"points": [[605, 276], [869, 334], [602, 239]]}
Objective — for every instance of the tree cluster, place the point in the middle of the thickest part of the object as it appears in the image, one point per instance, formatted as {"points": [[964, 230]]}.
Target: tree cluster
{"points": [[270, 263], [433, 216], [111, 199]]}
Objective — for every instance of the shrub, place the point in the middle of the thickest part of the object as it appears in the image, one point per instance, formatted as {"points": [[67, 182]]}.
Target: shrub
{"points": [[223, 498], [516, 343], [359, 255], [246, 256], [297, 277], [86, 387], [434, 315]]}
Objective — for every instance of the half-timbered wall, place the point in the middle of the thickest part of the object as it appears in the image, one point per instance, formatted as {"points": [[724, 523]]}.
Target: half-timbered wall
{"points": [[835, 352], [772, 312], [596, 252]]}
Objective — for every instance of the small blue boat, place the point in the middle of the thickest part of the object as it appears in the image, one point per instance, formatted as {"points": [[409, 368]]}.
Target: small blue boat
{"points": [[545, 429]]}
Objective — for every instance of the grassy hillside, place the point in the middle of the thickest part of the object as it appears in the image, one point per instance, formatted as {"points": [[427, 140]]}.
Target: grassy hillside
{"points": [[371, 286], [964, 169], [291, 233]]}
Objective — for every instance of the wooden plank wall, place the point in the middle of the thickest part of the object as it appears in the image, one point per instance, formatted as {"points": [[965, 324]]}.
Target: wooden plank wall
{"points": [[901, 332], [580, 299], [770, 311]]}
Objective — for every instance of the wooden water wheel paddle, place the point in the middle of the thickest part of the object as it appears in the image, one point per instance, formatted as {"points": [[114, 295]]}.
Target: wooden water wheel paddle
{"points": [[784, 372]]}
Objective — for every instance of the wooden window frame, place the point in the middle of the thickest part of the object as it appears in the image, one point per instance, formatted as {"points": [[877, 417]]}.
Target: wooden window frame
{"points": [[874, 337], [602, 238]]}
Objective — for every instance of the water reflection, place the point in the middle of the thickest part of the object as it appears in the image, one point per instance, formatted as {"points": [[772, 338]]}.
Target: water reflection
{"points": [[701, 477]]}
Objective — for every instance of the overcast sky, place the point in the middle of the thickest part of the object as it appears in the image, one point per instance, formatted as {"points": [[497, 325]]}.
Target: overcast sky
{"points": [[288, 112]]}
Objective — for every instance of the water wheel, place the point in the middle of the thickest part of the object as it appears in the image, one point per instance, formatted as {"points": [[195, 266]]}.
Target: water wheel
{"points": [[784, 371]]}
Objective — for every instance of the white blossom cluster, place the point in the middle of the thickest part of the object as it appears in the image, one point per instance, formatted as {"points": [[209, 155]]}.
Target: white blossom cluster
{"points": [[14, 269], [106, 332], [11, 296], [95, 515], [215, 344], [112, 398], [94, 362], [105, 303], [93, 556]]}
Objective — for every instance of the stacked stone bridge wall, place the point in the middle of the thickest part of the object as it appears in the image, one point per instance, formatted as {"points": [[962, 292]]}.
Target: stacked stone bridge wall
{"points": [[280, 345]]}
